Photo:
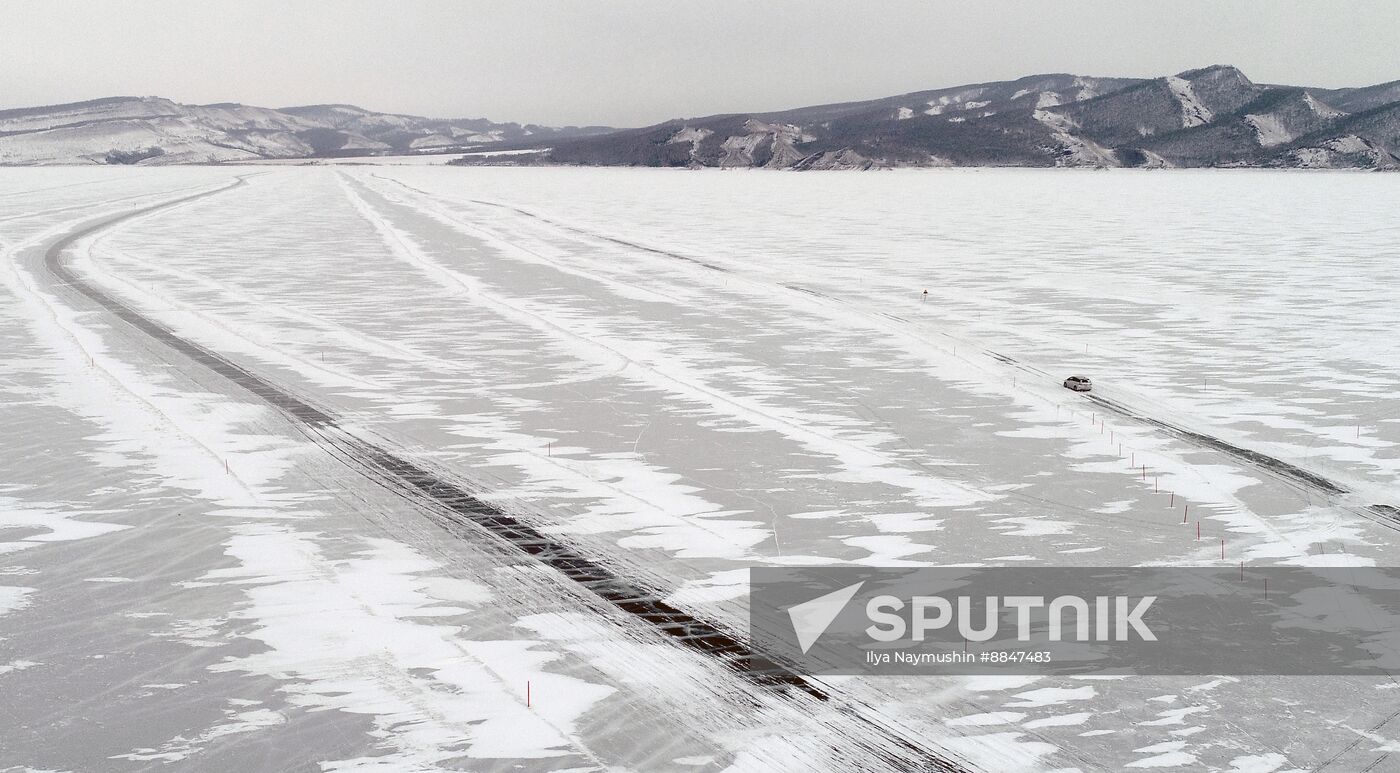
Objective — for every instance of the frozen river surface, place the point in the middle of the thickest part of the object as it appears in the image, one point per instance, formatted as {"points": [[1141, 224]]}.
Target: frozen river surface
{"points": [[674, 377]]}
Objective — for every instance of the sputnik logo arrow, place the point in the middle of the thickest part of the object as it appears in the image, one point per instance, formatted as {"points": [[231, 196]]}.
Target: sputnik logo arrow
{"points": [[810, 619]]}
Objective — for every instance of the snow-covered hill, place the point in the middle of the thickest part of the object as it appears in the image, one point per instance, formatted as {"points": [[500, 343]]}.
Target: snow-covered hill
{"points": [[1213, 116], [152, 130]]}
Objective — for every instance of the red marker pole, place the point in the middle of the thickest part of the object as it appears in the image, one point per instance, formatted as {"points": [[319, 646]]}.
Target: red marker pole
{"points": [[1198, 529]]}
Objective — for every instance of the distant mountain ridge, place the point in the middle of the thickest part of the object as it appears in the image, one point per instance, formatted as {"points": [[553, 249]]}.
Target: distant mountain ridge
{"points": [[1209, 117], [153, 130]]}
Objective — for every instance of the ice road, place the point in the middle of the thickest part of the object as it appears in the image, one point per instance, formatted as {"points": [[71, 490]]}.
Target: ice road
{"points": [[418, 468]]}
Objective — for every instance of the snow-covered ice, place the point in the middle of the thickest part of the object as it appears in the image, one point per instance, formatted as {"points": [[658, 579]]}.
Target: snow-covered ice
{"points": [[680, 375]]}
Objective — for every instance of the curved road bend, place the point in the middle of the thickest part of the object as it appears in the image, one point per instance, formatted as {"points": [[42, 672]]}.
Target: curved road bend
{"points": [[454, 505]]}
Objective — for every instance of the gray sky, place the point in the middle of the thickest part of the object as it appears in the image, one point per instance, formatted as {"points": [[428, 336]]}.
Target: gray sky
{"points": [[635, 62]]}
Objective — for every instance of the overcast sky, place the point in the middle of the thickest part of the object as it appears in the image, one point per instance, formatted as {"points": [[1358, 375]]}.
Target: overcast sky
{"points": [[635, 62]]}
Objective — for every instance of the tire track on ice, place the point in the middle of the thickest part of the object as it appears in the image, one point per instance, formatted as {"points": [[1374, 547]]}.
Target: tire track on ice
{"points": [[458, 504], [1386, 515], [681, 380]]}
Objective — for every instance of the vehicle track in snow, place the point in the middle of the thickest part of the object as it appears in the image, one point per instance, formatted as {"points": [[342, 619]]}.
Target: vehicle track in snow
{"points": [[1382, 514], [888, 323], [465, 512], [1385, 515]]}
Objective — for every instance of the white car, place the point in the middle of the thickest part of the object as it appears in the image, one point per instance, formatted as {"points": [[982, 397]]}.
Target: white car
{"points": [[1078, 384]]}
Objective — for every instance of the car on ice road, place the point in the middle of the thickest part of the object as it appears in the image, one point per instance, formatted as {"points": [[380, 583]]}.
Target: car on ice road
{"points": [[1078, 384]]}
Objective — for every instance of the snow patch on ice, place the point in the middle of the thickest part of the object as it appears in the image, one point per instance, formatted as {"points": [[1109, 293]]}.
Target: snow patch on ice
{"points": [[1033, 526], [13, 597], [58, 525], [719, 586], [181, 747], [351, 635], [1050, 696], [1167, 755], [1174, 716], [1258, 763], [1063, 720]]}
